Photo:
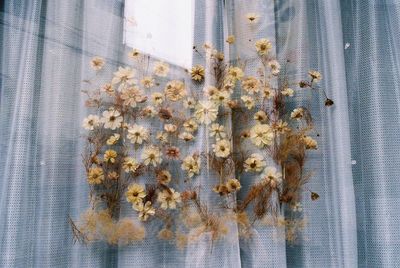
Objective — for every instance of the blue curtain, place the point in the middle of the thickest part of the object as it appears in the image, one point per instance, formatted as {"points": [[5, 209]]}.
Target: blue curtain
{"points": [[45, 47]]}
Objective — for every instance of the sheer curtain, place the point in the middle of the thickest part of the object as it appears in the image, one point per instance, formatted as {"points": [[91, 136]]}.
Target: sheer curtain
{"points": [[45, 50]]}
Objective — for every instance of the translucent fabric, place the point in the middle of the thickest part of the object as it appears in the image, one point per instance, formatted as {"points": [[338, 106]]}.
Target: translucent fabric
{"points": [[46, 47]]}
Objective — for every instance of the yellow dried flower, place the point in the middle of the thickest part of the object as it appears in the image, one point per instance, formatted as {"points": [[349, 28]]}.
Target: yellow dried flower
{"points": [[109, 156], [96, 175], [135, 193], [263, 46], [175, 90], [197, 73], [230, 39]]}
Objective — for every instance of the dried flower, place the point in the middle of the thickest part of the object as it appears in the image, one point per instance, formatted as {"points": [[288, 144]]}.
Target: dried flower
{"points": [[191, 164], [233, 185], [132, 96], [197, 73], [164, 177], [129, 164], [221, 98], [172, 152], [113, 139], [97, 63], [147, 81], [157, 98], [230, 39], [217, 131], [91, 122], [329, 102], [168, 198], [170, 128], [145, 211], [235, 73], [314, 196], [221, 189], [151, 155], [310, 143], [206, 112], [162, 137], [263, 46], [165, 113], [248, 101], [251, 85], [287, 92], [315, 76], [112, 119], [135, 193], [186, 136], [297, 113], [267, 93], [281, 127], [252, 17], [222, 148], [109, 156], [133, 54], [161, 69], [261, 135], [274, 66], [137, 134], [149, 111], [123, 75], [107, 88], [271, 177], [175, 90], [261, 117], [189, 103], [96, 175], [255, 163], [190, 125]]}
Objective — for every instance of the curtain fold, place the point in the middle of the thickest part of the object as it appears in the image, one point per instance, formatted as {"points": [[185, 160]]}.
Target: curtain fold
{"points": [[46, 47]]}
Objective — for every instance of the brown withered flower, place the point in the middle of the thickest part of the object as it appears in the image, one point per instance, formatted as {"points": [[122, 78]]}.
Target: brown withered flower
{"points": [[173, 153], [165, 113], [314, 196], [221, 189], [304, 84], [329, 102]]}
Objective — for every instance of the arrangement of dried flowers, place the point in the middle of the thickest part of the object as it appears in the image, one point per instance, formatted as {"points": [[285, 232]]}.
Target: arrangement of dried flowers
{"points": [[156, 171]]}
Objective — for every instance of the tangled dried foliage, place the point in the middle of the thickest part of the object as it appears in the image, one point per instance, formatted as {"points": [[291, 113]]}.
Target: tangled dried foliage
{"points": [[158, 173]]}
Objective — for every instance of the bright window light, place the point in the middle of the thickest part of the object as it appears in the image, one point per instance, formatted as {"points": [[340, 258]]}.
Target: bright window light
{"points": [[161, 28]]}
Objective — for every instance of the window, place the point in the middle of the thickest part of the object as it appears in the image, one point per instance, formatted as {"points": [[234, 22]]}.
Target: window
{"points": [[161, 28]]}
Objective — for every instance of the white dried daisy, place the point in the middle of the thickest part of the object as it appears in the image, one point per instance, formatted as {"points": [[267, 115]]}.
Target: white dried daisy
{"points": [[261, 135], [248, 101], [191, 164], [123, 75], [169, 198], [112, 119], [137, 134], [217, 131], [151, 156], [222, 148], [255, 163], [263, 46], [206, 112], [97, 63], [90, 122], [161, 69]]}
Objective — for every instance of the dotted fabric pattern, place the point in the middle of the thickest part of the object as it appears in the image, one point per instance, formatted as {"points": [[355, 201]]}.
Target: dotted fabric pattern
{"points": [[45, 49]]}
